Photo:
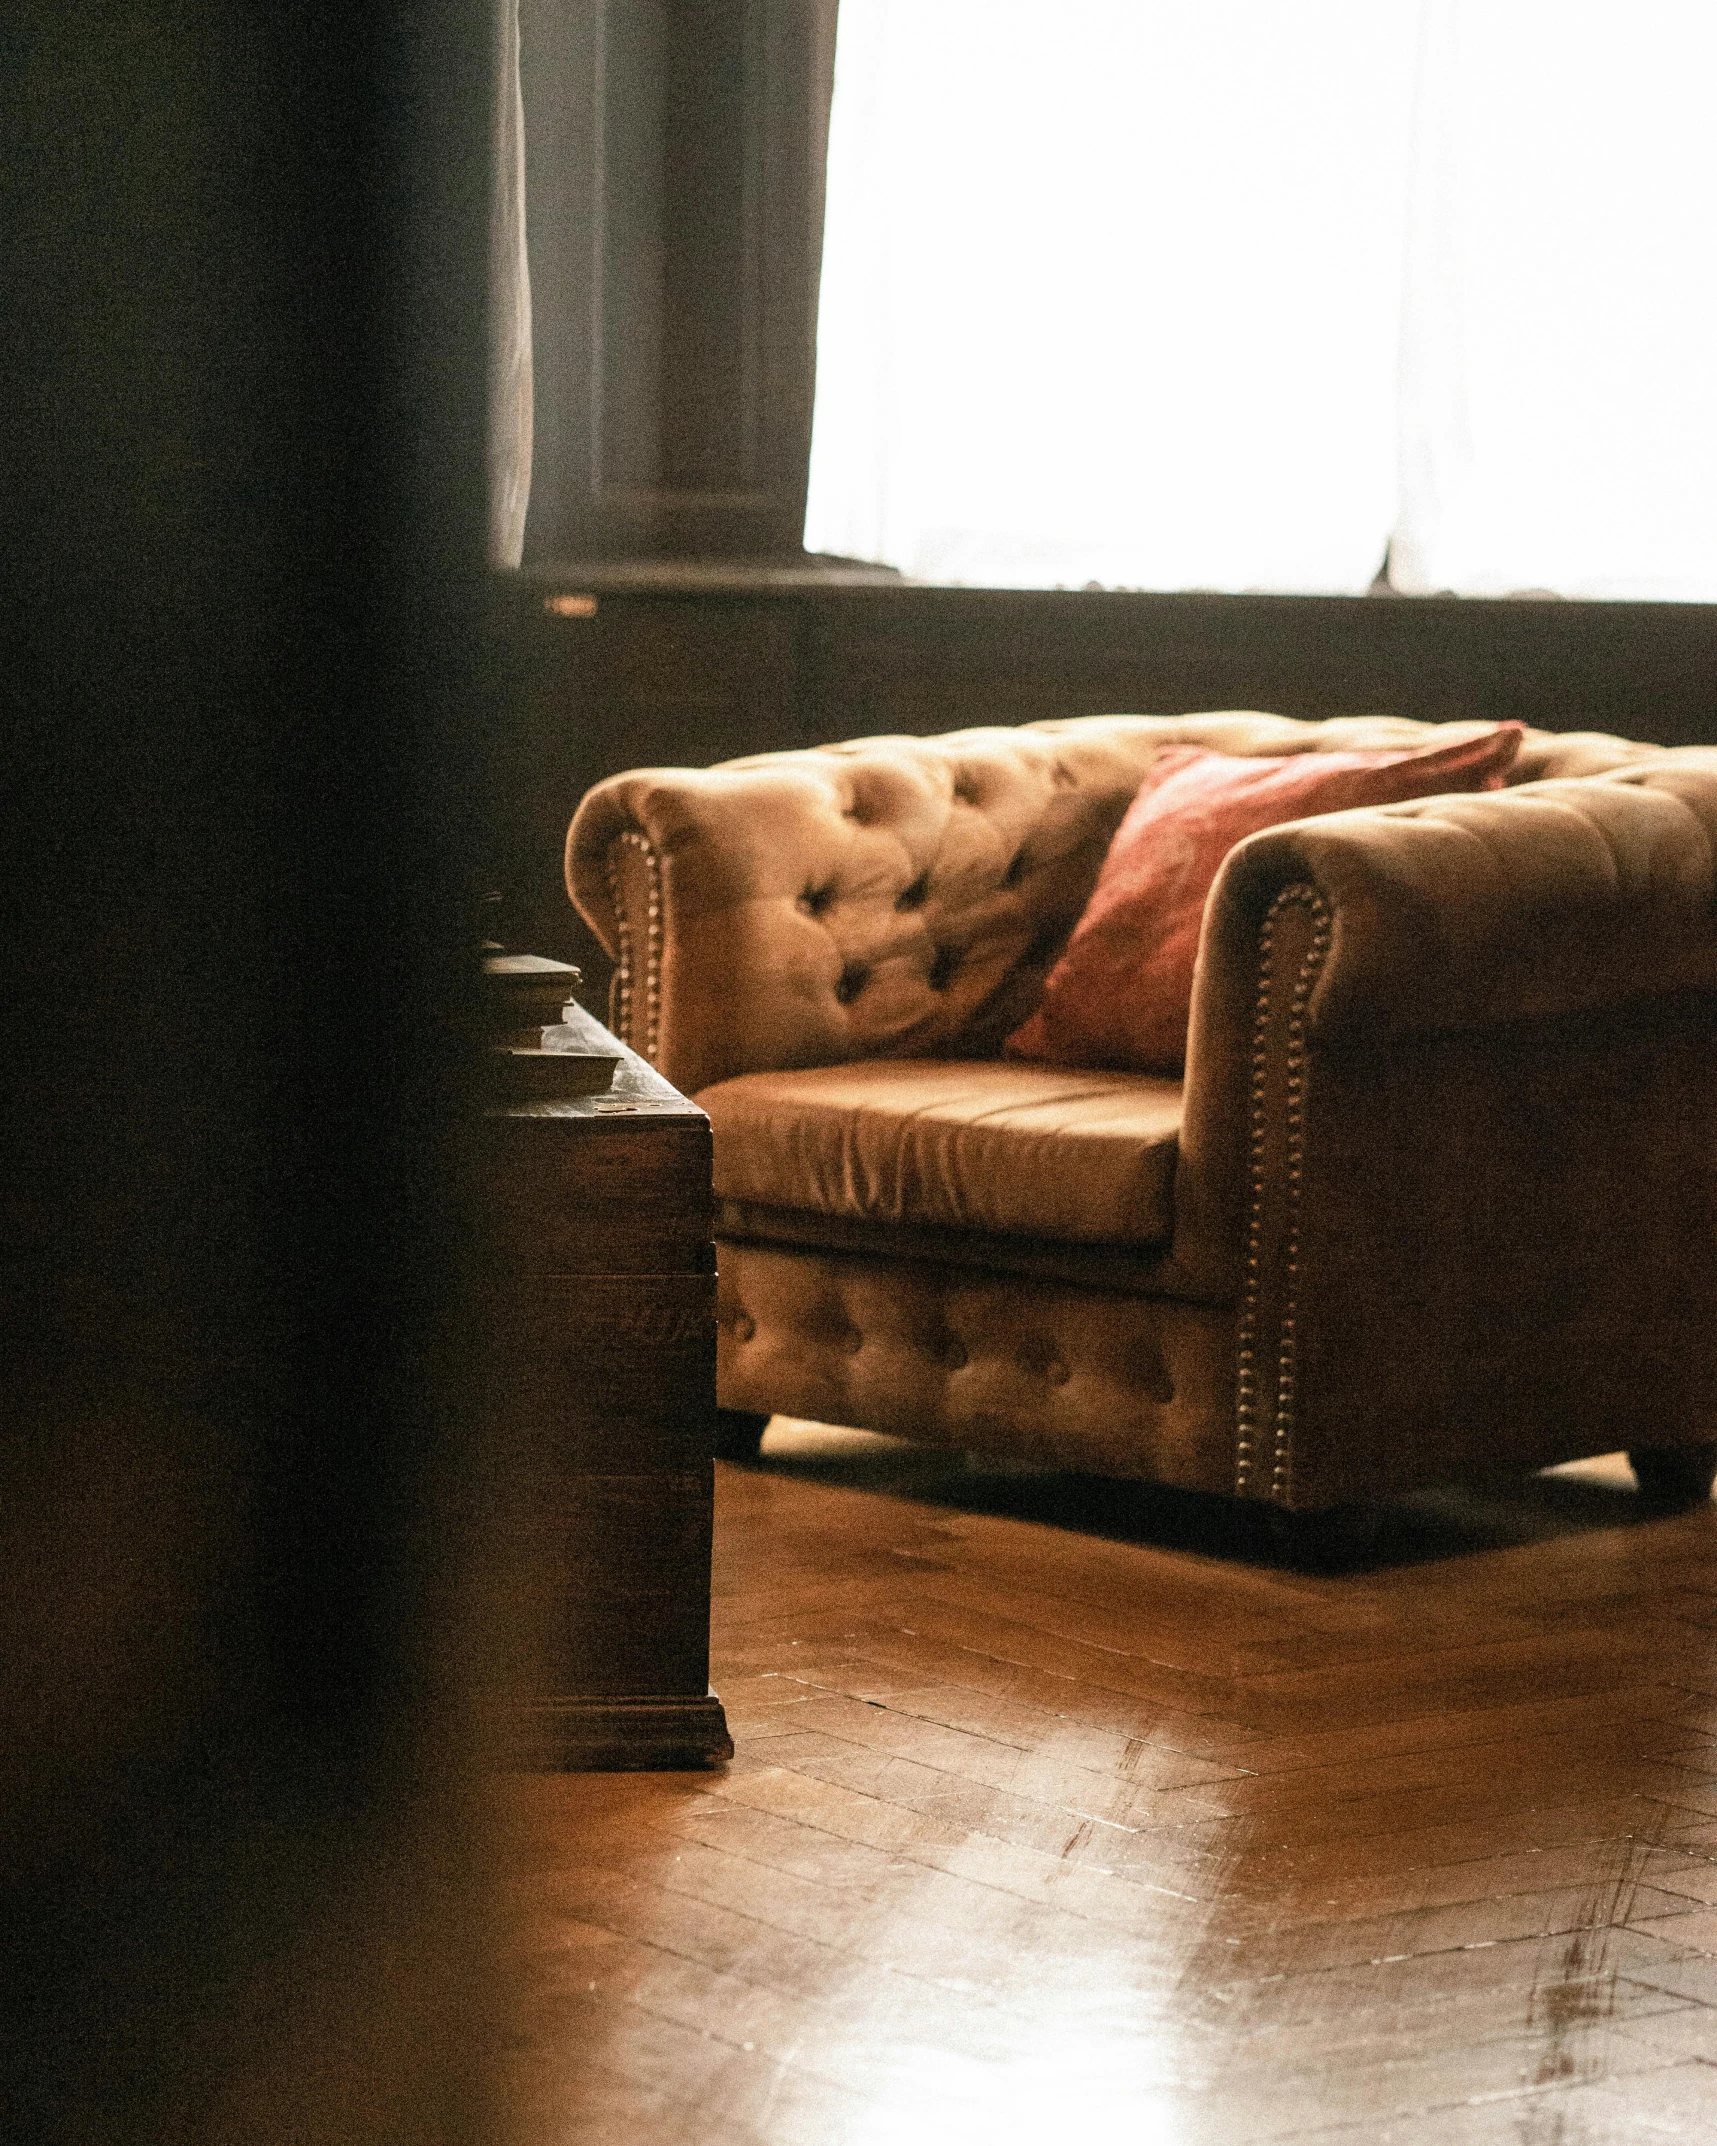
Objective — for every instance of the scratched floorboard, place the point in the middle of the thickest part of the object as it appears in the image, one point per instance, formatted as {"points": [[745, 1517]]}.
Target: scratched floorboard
{"points": [[1056, 1806]]}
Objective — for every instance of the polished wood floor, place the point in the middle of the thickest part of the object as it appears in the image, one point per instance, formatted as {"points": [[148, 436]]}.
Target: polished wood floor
{"points": [[1059, 1813]]}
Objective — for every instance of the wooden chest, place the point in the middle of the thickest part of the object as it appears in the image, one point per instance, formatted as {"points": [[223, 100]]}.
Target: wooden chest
{"points": [[601, 1322]]}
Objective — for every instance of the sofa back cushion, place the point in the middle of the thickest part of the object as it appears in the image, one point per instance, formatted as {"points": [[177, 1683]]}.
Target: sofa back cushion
{"points": [[1121, 993], [891, 897]]}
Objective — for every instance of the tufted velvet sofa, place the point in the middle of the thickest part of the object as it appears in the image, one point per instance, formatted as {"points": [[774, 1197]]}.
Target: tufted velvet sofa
{"points": [[1436, 1196]]}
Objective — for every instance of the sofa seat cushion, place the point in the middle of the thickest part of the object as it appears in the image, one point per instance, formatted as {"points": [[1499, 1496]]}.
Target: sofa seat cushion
{"points": [[1013, 1150]]}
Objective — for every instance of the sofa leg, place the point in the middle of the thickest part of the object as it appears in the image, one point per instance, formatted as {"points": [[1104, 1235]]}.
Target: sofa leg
{"points": [[738, 1434], [1672, 1479], [1334, 1540]]}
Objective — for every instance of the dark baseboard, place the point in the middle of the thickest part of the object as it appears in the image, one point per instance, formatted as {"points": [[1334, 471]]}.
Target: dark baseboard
{"points": [[619, 1735]]}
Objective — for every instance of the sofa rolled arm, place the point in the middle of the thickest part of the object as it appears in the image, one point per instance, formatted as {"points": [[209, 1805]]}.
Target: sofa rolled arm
{"points": [[1519, 904], [690, 880], [1451, 1083], [1442, 914]]}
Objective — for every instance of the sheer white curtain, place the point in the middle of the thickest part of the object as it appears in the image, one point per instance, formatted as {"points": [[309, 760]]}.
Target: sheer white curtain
{"points": [[1559, 342], [511, 399], [1225, 294]]}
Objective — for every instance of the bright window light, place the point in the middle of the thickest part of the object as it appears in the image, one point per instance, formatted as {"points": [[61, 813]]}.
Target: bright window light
{"points": [[1229, 295]]}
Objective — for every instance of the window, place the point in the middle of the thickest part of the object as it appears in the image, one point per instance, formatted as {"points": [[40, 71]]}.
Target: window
{"points": [[1222, 294]]}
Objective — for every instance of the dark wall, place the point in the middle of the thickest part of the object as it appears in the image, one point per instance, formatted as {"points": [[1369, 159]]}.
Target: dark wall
{"points": [[246, 726]]}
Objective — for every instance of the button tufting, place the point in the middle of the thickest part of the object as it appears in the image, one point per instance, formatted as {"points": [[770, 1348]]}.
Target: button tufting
{"points": [[942, 970], [952, 1355], [1016, 870], [852, 1341], [851, 981], [913, 897], [744, 1326], [815, 900], [1056, 1372]]}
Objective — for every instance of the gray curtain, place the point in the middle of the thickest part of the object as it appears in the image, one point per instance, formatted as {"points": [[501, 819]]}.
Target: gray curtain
{"points": [[510, 397]]}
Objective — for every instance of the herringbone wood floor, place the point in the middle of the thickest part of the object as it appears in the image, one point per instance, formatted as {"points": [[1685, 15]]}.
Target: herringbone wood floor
{"points": [[1059, 1813]]}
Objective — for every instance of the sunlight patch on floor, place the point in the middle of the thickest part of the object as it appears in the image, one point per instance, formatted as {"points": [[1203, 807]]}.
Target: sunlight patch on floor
{"points": [[797, 1438], [1610, 1469], [800, 1439]]}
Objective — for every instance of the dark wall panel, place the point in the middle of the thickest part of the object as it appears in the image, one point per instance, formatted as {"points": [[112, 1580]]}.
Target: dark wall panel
{"points": [[932, 659]]}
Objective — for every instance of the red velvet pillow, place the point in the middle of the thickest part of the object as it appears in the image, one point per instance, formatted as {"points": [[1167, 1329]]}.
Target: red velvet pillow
{"points": [[1122, 990]]}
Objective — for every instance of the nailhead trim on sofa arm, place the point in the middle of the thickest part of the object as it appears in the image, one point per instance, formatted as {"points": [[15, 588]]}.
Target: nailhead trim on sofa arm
{"points": [[1250, 1416], [623, 997]]}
